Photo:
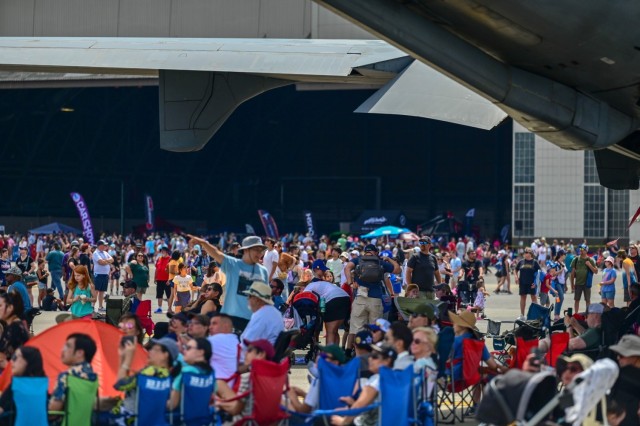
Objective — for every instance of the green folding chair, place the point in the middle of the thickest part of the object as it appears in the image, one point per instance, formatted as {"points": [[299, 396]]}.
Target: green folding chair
{"points": [[78, 405]]}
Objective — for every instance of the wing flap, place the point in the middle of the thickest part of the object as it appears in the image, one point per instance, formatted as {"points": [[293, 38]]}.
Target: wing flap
{"points": [[420, 91]]}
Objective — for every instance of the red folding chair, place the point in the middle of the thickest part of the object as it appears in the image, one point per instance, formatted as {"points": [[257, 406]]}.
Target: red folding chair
{"points": [[449, 407], [523, 349], [267, 384], [143, 312], [559, 344]]}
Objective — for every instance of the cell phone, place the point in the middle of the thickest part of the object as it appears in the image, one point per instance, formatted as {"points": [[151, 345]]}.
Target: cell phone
{"points": [[538, 355], [125, 339]]}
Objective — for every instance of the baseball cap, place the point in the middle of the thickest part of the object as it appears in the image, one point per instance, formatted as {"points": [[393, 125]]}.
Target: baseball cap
{"points": [[371, 247], [595, 308], [169, 344], [335, 351], [381, 324], [101, 243], [319, 264], [364, 339], [386, 351], [425, 309], [263, 345], [129, 284], [180, 316]]}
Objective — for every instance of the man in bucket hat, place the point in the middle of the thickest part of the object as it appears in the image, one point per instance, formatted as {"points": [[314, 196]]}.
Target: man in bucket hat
{"points": [[241, 273], [266, 321]]}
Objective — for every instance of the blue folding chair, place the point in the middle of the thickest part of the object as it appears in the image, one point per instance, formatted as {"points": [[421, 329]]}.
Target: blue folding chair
{"points": [[538, 312], [421, 406], [195, 401], [151, 400], [30, 396], [444, 348], [334, 380]]}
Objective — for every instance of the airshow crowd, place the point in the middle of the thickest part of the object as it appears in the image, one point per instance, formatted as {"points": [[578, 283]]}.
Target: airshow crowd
{"points": [[228, 300]]}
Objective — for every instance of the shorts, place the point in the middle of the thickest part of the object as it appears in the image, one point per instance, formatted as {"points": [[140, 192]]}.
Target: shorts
{"points": [[365, 310], [581, 289], [142, 290], [162, 289], [524, 290], [544, 299], [101, 282], [610, 295], [115, 275], [337, 309], [42, 286]]}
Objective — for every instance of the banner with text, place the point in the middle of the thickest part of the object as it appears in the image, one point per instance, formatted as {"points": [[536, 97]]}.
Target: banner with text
{"points": [[308, 219], [269, 223], [148, 204], [83, 211]]}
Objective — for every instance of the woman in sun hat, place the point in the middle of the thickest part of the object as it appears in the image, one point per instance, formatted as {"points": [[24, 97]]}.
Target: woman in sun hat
{"points": [[464, 327]]}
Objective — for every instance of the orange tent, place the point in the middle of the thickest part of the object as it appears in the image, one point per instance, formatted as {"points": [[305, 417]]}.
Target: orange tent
{"points": [[105, 362]]}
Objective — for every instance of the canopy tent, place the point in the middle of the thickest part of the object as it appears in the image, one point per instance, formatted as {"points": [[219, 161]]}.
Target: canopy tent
{"points": [[55, 228], [105, 362], [385, 231]]}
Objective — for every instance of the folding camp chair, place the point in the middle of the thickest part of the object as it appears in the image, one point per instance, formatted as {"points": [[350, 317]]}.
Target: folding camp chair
{"points": [[113, 311], [143, 312], [151, 400], [78, 404], [538, 312], [456, 395], [267, 384], [30, 397], [559, 344], [523, 349], [422, 400], [195, 401], [397, 388], [444, 346], [335, 381]]}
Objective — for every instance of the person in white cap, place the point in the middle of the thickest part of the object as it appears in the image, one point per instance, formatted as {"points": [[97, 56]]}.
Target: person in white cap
{"points": [[241, 273], [266, 321], [608, 283]]}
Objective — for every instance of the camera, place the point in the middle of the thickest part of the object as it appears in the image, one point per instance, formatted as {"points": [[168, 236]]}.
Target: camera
{"points": [[125, 339]]}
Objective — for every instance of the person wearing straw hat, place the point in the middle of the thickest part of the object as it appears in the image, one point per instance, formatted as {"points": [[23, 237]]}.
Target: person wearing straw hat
{"points": [[240, 273], [266, 321], [464, 327]]}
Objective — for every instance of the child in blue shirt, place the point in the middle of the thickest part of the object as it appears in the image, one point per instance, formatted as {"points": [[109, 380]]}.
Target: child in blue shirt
{"points": [[608, 284]]}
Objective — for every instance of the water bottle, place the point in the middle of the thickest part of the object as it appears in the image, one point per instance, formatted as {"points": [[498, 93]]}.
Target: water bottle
{"points": [[322, 305]]}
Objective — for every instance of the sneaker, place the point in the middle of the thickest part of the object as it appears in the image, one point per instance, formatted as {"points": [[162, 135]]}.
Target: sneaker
{"points": [[521, 318], [102, 310], [471, 411], [158, 311]]}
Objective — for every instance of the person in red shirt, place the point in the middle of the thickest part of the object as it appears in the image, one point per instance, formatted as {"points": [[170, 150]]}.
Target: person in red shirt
{"points": [[162, 276], [546, 287]]}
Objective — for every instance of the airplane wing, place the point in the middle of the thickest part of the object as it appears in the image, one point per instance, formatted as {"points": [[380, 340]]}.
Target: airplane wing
{"points": [[574, 84], [202, 81]]}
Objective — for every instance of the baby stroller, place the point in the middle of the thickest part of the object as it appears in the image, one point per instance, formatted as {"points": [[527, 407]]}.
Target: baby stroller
{"points": [[529, 399], [307, 306]]}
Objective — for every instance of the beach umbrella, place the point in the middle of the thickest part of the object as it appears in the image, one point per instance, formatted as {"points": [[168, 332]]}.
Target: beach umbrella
{"points": [[105, 362], [385, 231]]}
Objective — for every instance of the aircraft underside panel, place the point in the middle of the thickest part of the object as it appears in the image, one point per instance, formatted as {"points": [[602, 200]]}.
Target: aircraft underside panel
{"points": [[194, 104]]}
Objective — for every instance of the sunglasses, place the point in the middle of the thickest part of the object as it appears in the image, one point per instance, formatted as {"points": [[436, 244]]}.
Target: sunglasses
{"points": [[424, 243], [573, 369], [376, 356], [419, 342], [208, 289], [127, 326]]}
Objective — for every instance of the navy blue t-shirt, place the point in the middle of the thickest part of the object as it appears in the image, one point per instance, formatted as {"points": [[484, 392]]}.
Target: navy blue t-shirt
{"points": [[4, 266], [375, 290]]}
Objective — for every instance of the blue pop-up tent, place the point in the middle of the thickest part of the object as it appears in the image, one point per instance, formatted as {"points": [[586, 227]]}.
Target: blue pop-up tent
{"points": [[54, 228]]}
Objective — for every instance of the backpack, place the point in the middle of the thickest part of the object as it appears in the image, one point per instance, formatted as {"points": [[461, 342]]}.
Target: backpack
{"points": [[369, 270]]}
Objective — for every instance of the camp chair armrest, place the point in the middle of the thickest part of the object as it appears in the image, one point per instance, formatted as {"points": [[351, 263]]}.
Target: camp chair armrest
{"points": [[347, 412], [237, 397], [56, 413]]}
